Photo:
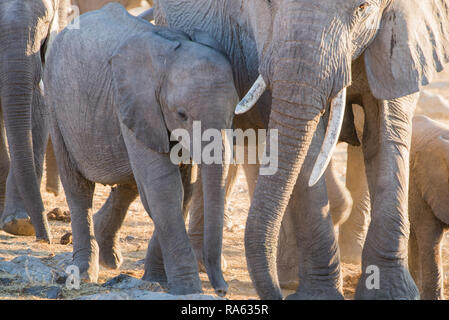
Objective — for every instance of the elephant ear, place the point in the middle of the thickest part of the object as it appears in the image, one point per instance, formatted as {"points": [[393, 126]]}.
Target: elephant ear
{"points": [[138, 67], [412, 44]]}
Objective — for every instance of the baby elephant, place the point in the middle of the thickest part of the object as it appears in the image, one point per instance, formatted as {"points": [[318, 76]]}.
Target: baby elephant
{"points": [[428, 203], [116, 89]]}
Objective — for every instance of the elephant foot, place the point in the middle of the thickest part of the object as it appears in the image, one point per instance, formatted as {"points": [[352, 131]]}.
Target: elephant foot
{"points": [[110, 256], [87, 263], [18, 226], [186, 286], [156, 274], [316, 294], [88, 271], [386, 283]]}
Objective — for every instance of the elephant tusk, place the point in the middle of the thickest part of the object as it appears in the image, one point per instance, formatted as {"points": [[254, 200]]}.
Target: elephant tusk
{"points": [[41, 86], [252, 96], [337, 112]]}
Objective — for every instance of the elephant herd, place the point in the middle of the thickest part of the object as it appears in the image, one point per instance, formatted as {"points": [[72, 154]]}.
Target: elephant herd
{"points": [[111, 93]]}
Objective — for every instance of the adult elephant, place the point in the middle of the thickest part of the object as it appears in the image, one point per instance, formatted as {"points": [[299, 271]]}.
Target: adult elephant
{"points": [[26, 30], [89, 5], [304, 54]]}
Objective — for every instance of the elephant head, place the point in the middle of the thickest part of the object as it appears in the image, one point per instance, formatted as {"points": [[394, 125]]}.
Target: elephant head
{"points": [[305, 50], [26, 30], [171, 83]]}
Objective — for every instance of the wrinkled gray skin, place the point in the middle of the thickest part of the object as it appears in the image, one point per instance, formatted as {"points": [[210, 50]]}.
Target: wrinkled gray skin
{"points": [[84, 6], [428, 203], [90, 5], [25, 27], [135, 82], [307, 52], [340, 203]]}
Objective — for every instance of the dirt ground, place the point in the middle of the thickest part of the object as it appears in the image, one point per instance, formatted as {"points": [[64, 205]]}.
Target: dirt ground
{"points": [[138, 228]]}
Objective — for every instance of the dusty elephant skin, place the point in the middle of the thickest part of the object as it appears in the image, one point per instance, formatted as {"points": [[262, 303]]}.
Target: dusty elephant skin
{"points": [[26, 30], [307, 52], [111, 108]]}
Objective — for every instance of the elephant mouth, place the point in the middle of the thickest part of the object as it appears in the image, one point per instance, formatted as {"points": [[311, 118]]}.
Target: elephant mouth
{"points": [[336, 115]]}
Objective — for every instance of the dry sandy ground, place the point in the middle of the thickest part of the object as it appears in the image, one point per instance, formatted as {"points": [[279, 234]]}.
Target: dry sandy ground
{"points": [[138, 228]]}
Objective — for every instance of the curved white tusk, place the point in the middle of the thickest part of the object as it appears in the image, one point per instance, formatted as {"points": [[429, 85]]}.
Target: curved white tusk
{"points": [[41, 86], [337, 112], [252, 96]]}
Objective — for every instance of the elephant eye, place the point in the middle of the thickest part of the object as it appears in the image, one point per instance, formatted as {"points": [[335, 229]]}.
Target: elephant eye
{"points": [[363, 6], [182, 114]]}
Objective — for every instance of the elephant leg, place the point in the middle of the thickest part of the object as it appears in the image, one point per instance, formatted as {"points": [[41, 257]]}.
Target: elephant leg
{"points": [[52, 170], [4, 164], [414, 264], [160, 188], [196, 218], [107, 223], [79, 194], [15, 219], [319, 263], [429, 234], [154, 261], [340, 203], [386, 146], [353, 232]]}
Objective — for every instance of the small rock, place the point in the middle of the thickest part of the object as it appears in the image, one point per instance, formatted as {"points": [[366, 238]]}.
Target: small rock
{"points": [[29, 269], [124, 281], [5, 281], [66, 239], [53, 292]]}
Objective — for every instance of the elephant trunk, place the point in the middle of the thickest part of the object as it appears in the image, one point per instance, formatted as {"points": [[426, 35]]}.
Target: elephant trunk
{"points": [[213, 182], [302, 81], [272, 193], [19, 76]]}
